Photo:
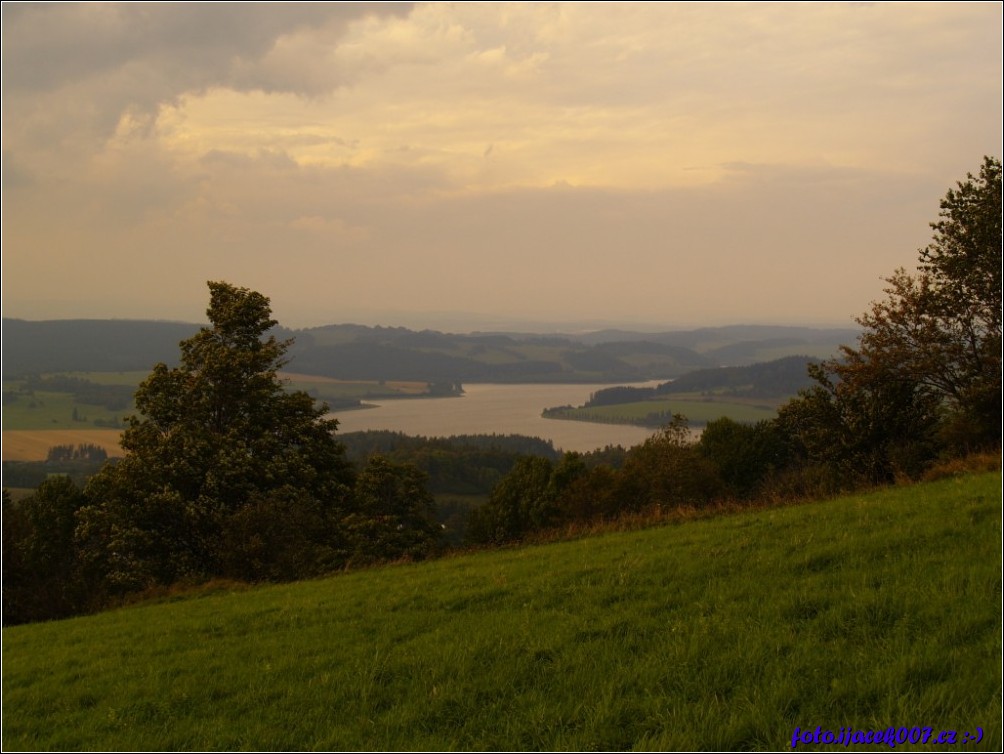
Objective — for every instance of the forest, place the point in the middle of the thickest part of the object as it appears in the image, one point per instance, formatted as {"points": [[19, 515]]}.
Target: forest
{"points": [[227, 474]]}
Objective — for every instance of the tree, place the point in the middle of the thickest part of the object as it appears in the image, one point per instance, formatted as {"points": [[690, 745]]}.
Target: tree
{"points": [[213, 436], [926, 374], [41, 577], [524, 500], [394, 514], [668, 470], [746, 455]]}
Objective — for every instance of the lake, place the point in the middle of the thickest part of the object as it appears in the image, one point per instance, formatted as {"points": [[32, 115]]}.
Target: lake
{"points": [[498, 409]]}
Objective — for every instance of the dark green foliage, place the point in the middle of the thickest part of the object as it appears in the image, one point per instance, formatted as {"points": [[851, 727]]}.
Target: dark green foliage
{"points": [[668, 470], [281, 535], [612, 396], [746, 455], [523, 501], [393, 515], [214, 436], [925, 378], [41, 576], [463, 464], [864, 429]]}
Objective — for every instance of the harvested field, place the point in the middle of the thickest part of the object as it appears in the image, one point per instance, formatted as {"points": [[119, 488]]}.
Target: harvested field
{"points": [[34, 444]]}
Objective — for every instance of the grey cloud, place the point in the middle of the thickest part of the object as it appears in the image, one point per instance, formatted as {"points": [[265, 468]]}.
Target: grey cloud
{"points": [[200, 44]]}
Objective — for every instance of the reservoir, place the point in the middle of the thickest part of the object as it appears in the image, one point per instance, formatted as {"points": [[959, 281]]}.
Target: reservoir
{"points": [[496, 409]]}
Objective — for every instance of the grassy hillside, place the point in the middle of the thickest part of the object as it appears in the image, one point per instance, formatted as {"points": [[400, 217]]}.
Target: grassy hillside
{"points": [[870, 611], [699, 410]]}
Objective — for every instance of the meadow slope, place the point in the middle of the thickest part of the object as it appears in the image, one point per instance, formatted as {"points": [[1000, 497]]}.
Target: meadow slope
{"points": [[872, 610]]}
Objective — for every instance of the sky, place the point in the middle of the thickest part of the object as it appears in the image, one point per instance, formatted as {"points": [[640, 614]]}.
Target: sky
{"points": [[478, 166]]}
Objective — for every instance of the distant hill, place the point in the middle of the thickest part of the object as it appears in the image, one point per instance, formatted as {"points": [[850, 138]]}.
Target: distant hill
{"points": [[777, 379], [771, 379], [738, 345], [89, 345], [358, 352]]}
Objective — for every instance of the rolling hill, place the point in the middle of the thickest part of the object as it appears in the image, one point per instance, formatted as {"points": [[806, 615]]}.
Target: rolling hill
{"points": [[863, 613]]}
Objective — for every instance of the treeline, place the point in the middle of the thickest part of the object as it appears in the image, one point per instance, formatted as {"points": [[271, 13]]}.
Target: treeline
{"points": [[77, 462], [732, 461], [459, 464]]}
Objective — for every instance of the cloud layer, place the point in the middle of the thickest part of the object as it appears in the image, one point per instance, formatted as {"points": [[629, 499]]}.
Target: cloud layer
{"points": [[665, 163]]}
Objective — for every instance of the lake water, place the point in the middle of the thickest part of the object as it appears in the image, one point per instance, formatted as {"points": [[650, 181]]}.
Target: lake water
{"points": [[498, 409]]}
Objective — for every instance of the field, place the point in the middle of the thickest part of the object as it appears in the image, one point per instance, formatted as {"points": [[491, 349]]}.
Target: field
{"points": [[37, 420], [33, 445], [698, 409], [869, 611]]}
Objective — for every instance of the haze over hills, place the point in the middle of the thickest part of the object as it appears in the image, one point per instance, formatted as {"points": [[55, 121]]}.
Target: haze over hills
{"points": [[349, 351]]}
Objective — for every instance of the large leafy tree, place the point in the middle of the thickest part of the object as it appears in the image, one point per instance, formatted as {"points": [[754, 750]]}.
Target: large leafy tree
{"points": [[216, 436], [925, 376]]}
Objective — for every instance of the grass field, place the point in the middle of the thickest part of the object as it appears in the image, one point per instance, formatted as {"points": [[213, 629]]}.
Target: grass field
{"points": [[869, 611], [46, 410], [698, 410]]}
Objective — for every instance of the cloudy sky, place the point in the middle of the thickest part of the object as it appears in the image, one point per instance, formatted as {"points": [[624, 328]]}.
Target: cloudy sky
{"points": [[469, 166]]}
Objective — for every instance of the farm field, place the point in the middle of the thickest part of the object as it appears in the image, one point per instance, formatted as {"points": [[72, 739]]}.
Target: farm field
{"points": [[699, 410], [34, 444], [35, 420], [870, 611]]}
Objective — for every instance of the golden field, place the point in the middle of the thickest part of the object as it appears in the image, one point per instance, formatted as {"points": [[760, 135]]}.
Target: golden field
{"points": [[34, 444]]}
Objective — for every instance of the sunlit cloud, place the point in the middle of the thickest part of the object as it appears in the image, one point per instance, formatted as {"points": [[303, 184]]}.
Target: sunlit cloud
{"points": [[544, 159]]}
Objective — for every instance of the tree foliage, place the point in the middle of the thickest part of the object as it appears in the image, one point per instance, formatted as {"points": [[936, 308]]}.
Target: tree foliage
{"points": [[925, 376], [216, 437], [393, 516], [41, 577]]}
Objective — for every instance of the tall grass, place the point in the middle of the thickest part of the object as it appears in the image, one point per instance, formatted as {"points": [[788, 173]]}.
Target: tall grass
{"points": [[870, 611]]}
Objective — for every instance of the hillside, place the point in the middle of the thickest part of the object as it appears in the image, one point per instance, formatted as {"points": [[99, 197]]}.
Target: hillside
{"points": [[356, 352], [869, 611]]}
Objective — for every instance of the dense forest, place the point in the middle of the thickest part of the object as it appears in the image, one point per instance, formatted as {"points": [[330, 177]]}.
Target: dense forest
{"points": [[228, 474]]}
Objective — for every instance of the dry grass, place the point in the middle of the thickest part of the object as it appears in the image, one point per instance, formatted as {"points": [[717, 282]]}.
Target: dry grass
{"points": [[34, 444], [977, 462]]}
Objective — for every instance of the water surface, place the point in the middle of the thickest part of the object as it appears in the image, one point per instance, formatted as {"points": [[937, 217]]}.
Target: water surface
{"points": [[499, 409]]}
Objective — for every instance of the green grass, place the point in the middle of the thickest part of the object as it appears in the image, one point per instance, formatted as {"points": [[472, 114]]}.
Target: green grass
{"points": [[45, 410], [697, 409], [873, 610]]}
